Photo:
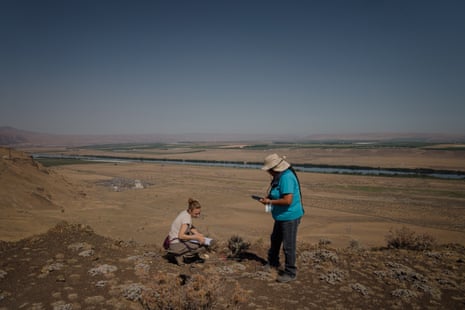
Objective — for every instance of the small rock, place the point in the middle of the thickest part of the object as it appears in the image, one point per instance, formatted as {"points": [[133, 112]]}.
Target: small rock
{"points": [[62, 306], [360, 289], [102, 269], [52, 267], [87, 253], [80, 246], [60, 278], [133, 291], [403, 293]]}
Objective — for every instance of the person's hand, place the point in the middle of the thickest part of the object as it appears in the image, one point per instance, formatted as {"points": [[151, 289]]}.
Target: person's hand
{"points": [[265, 201], [199, 237]]}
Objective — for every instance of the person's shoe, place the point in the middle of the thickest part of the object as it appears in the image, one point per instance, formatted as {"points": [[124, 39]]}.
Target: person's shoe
{"points": [[199, 260], [194, 259], [179, 260], [284, 278]]}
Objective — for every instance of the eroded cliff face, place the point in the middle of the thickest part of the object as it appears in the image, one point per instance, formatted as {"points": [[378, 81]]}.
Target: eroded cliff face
{"points": [[32, 197], [25, 184]]}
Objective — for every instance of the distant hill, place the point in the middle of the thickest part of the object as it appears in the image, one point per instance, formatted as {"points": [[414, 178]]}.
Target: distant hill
{"points": [[13, 137], [10, 136], [417, 137]]}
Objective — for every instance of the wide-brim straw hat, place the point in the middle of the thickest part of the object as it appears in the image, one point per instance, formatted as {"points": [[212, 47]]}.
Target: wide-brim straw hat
{"points": [[276, 163]]}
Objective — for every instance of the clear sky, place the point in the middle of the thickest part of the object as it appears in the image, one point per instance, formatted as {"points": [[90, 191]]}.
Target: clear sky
{"points": [[258, 67]]}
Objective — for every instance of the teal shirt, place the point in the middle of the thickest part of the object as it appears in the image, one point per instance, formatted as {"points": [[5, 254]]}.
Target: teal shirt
{"points": [[288, 184]]}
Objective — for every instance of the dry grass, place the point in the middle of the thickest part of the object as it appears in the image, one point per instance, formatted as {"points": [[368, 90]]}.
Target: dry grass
{"points": [[339, 263], [405, 238], [172, 291], [50, 270], [341, 208]]}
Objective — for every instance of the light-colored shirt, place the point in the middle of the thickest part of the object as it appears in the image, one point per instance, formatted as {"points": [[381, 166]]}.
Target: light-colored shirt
{"points": [[183, 218]]}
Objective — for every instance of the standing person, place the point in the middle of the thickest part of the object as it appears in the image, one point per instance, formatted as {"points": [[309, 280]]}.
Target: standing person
{"points": [[284, 197], [185, 241]]}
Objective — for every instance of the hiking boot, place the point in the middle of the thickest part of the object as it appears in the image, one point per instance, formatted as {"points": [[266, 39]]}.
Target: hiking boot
{"points": [[179, 260], [199, 260], [284, 278], [194, 259]]}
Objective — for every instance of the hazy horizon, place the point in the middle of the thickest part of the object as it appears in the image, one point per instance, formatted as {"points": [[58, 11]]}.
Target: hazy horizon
{"points": [[287, 68]]}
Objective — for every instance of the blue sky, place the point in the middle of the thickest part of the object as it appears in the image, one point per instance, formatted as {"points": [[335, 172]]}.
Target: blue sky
{"points": [[256, 67]]}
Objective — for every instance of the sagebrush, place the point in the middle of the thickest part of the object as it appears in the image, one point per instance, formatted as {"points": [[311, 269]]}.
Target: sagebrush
{"points": [[170, 291], [405, 238]]}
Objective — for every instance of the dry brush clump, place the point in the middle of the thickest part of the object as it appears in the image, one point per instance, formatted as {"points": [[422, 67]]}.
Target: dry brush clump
{"points": [[405, 238], [196, 291], [237, 246], [171, 291]]}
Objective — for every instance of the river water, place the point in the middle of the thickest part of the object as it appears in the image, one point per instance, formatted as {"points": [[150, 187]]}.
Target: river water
{"points": [[442, 174]]}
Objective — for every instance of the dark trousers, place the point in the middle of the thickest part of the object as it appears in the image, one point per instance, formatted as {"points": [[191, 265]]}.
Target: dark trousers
{"points": [[285, 233]]}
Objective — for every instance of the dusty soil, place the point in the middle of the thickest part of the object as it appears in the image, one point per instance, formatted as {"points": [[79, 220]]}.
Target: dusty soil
{"points": [[70, 267], [353, 213], [340, 208]]}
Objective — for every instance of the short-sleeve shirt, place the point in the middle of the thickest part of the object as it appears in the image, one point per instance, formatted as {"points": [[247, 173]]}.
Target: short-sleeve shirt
{"points": [[287, 184], [183, 218]]}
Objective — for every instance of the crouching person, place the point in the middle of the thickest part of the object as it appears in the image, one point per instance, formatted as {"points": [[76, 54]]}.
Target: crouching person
{"points": [[184, 241]]}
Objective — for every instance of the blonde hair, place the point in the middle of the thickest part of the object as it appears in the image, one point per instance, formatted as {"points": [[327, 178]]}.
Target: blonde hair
{"points": [[193, 204]]}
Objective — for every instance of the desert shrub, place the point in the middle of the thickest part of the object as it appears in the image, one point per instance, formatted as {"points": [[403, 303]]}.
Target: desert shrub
{"points": [[170, 291], [354, 245], [237, 245], [424, 242], [324, 242], [405, 238], [239, 296]]}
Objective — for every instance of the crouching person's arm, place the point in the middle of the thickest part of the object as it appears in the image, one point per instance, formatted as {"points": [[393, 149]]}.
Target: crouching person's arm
{"points": [[195, 235]]}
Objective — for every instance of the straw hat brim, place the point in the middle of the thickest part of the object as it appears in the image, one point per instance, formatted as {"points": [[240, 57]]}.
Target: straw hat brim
{"points": [[275, 163]]}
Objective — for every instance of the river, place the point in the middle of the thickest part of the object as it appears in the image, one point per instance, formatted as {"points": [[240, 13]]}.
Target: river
{"points": [[419, 172]]}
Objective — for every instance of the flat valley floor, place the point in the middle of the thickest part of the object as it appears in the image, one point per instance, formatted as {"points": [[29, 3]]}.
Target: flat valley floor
{"points": [[339, 208]]}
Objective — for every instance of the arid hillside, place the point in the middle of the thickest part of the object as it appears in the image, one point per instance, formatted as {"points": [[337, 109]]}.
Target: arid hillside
{"points": [[26, 184], [26, 187], [85, 237], [71, 267]]}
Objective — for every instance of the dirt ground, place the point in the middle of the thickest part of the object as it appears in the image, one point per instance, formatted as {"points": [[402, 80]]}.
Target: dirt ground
{"points": [[341, 208], [130, 206], [338, 208], [71, 267]]}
